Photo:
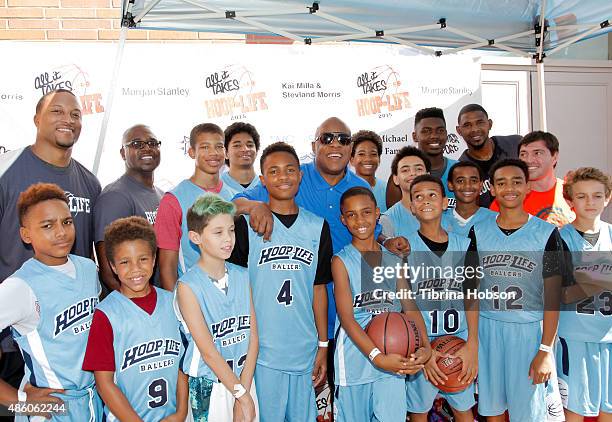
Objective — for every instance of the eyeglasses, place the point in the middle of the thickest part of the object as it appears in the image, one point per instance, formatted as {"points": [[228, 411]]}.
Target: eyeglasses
{"points": [[328, 137], [138, 144]]}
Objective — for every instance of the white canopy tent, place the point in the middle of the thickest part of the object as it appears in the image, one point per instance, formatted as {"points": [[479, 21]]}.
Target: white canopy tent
{"points": [[526, 28]]}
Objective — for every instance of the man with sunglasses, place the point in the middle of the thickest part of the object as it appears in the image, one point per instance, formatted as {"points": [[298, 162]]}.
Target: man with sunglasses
{"points": [[133, 194], [323, 183]]}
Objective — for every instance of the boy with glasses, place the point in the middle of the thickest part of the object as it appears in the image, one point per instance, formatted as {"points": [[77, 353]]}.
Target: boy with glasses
{"points": [[133, 194]]}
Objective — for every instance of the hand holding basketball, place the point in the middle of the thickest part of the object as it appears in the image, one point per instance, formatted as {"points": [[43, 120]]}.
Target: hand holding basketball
{"points": [[432, 372], [468, 354], [391, 363], [447, 361], [418, 359]]}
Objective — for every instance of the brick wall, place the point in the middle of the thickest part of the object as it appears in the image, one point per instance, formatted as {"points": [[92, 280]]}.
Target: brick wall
{"points": [[82, 20]]}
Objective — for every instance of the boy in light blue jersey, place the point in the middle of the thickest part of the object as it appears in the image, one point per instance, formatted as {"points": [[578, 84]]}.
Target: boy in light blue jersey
{"points": [[430, 135], [365, 159], [465, 180], [444, 263], [49, 303], [521, 261], [218, 319], [584, 352], [177, 253], [398, 221], [241, 146], [135, 345], [288, 275], [370, 385]]}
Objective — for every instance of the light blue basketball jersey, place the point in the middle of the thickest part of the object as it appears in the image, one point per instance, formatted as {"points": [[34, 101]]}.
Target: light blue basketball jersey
{"points": [[432, 275], [54, 351], [590, 319], [404, 223], [186, 193], [148, 351], [228, 317], [450, 195], [351, 366], [232, 185], [282, 273], [452, 223], [380, 193], [512, 267]]}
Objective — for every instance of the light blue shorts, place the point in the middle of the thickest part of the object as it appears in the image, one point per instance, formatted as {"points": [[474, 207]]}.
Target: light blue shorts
{"points": [[505, 352], [382, 401], [584, 376], [86, 406], [420, 393], [285, 397]]}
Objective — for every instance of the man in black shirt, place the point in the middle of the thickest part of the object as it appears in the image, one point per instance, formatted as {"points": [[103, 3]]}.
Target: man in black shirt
{"points": [[474, 126]]}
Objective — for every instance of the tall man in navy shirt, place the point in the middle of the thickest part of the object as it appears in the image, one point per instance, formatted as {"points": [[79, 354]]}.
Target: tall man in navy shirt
{"points": [[58, 122]]}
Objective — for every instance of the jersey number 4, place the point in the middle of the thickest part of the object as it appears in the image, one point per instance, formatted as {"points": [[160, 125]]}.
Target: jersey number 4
{"points": [[284, 294], [158, 392]]}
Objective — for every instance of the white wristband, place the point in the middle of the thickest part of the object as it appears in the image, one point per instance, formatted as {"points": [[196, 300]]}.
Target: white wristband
{"points": [[375, 352], [22, 396], [239, 390], [545, 348], [323, 343]]}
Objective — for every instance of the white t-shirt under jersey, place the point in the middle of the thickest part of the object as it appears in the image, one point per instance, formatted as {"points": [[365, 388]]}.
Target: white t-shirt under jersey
{"points": [[19, 305]]}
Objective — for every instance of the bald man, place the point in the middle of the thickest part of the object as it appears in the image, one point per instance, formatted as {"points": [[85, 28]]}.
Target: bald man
{"points": [[131, 194]]}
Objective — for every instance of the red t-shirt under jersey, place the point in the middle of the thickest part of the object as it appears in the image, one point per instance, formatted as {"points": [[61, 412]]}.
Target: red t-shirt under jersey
{"points": [[536, 203], [100, 354]]}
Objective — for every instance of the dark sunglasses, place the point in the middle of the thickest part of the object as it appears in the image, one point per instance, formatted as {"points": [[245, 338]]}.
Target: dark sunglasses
{"points": [[328, 137], [137, 144]]}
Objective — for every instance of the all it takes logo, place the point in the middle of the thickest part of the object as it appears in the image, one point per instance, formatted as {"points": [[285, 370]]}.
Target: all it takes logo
{"points": [[75, 79], [382, 93], [234, 93]]}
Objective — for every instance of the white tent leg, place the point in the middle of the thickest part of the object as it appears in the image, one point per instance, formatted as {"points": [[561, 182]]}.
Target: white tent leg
{"points": [[540, 69], [109, 99], [542, 96]]}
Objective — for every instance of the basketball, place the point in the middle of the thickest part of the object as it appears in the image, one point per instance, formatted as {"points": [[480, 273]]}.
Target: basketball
{"points": [[451, 367], [394, 332]]}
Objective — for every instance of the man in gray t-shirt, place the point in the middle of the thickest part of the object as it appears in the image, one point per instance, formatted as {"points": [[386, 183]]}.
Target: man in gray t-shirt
{"points": [[133, 194], [49, 159]]}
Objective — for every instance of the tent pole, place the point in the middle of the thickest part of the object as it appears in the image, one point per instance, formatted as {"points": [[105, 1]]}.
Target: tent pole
{"points": [[542, 96], [109, 100], [540, 68]]}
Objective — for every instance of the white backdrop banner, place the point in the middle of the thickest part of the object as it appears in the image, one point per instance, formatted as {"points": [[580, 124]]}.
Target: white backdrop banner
{"points": [[285, 91]]}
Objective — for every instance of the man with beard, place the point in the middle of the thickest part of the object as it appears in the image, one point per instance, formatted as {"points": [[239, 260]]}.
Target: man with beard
{"points": [[133, 194], [474, 126], [58, 126]]}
